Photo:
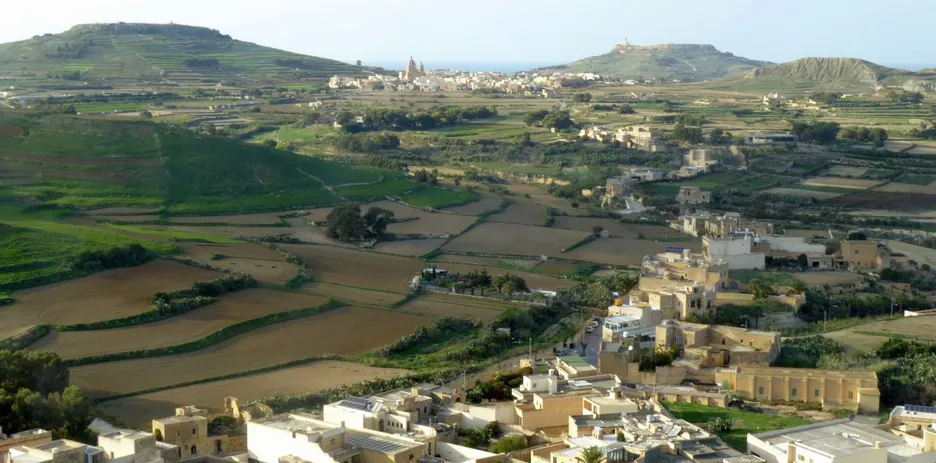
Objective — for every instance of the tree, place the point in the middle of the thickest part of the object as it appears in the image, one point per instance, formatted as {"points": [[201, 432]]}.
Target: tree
{"points": [[535, 117], [760, 289], [70, 109], [509, 444], [719, 425], [582, 97], [146, 114], [590, 455], [525, 140], [718, 136], [346, 223], [692, 135], [802, 261], [358, 63], [559, 120], [377, 219], [626, 109]]}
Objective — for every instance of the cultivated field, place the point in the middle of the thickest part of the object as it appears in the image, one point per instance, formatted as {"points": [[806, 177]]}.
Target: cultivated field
{"points": [[345, 331], [437, 305], [522, 212], [103, 296], [865, 338], [361, 269], [845, 171], [617, 229], [922, 255], [433, 224], [487, 202], [837, 182], [621, 251], [533, 280], [803, 193], [138, 411], [492, 261], [124, 211], [230, 309], [353, 296], [515, 239], [126, 218], [411, 248], [908, 188], [264, 264], [269, 218]]}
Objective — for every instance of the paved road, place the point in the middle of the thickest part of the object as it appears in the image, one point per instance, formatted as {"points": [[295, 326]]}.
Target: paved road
{"points": [[592, 343]]}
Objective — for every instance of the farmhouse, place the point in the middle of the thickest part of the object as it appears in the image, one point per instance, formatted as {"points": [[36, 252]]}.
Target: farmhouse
{"points": [[639, 137], [545, 401], [699, 159], [30, 438], [693, 195], [118, 446], [678, 266], [718, 346], [735, 250], [864, 254], [855, 390]]}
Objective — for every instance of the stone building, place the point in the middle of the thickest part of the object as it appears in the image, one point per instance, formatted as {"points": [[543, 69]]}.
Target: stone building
{"points": [[864, 254], [855, 390], [693, 195], [719, 346]]}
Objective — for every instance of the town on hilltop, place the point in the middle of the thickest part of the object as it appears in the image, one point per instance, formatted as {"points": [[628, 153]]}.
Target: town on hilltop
{"points": [[214, 251]]}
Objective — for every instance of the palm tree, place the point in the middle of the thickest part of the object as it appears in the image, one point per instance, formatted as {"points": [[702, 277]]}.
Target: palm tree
{"points": [[590, 455]]}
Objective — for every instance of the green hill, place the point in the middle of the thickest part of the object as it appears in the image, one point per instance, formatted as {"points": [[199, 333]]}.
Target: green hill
{"points": [[171, 55], [827, 73], [688, 63]]}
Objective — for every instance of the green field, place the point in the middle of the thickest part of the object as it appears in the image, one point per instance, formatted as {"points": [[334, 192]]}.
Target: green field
{"points": [[917, 179], [439, 198], [716, 183], [742, 422], [770, 278]]}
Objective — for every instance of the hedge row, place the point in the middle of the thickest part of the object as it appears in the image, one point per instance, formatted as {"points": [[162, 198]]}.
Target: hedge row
{"points": [[150, 316], [24, 340], [212, 339]]}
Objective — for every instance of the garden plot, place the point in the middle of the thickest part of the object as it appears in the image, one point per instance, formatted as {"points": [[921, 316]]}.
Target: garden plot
{"points": [[617, 229], [474, 308], [533, 280], [622, 251], [801, 193], [344, 331], [488, 202], [836, 182], [522, 212], [411, 248], [352, 296]]}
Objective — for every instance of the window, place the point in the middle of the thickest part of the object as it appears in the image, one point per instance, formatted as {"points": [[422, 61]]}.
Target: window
{"points": [[760, 390], [194, 433], [194, 450], [177, 433], [411, 457], [331, 442], [851, 395], [816, 393], [793, 392]]}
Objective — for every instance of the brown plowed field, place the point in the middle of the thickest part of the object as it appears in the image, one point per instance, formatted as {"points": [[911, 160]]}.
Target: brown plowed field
{"points": [[264, 264], [127, 218], [140, 410], [204, 252], [10, 131], [514, 239], [357, 268], [437, 305], [621, 251], [353, 296], [533, 280], [487, 202], [411, 248], [74, 161], [884, 200], [230, 309], [103, 296], [617, 229], [268, 218], [522, 212], [494, 261], [435, 224], [345, 331]]}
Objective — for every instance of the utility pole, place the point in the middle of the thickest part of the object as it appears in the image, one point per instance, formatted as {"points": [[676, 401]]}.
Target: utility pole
{"points": [[825, 319], [531, 351]]}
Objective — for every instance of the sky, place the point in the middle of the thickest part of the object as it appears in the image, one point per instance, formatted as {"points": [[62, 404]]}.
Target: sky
{"points": [[896, 32]]}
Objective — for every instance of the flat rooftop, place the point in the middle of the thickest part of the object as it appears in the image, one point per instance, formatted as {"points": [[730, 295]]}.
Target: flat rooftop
{"points": [[576, 362], [179, 419], [297, 422], [839, 437], [383, 443]]}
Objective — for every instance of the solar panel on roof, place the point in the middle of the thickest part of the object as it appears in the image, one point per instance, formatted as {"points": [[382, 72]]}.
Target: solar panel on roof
{"points": [[676, 249], [357, 403], [920, 409]]}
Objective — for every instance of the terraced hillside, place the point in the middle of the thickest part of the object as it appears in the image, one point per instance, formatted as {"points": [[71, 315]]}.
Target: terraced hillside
{"points": [[121, 55]]}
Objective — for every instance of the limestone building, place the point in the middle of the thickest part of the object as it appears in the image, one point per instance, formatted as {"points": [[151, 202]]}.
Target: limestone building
{"points": [[718, 346], [693, 195], [855, 390]]}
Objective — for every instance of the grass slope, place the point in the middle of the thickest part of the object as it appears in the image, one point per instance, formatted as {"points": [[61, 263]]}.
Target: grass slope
{"points": [[742, 422], [685, 62], [821, 73], [126, 54]]}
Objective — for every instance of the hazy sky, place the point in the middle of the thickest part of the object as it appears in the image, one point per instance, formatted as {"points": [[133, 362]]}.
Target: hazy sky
{"points": [[893, 32]]}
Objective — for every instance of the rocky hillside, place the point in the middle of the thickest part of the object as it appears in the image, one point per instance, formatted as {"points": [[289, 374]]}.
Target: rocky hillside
{"points": [[122, 55], [684, 62], [830, 73]]}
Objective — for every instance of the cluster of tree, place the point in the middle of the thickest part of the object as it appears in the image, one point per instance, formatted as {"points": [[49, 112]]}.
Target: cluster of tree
{"points": [[599, 292], [400, 119], [582, 97], [691, 135], [659, 356], [201, 63], [479, 438], [821, 133], [72, 50], [443, 328], [497, 388], [122, 256], [508, 283], [65, 75], [34, 393], [200, 294], [805, 352], [819, 306], [427, 177], [747, 316], [922, 279], [925, 134], [876, 135], [690, 120], [559, 120], [346, 223], [828, 98], [221, 425], [905, 97], [720, 136], [800, 262], [367, 142]]}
